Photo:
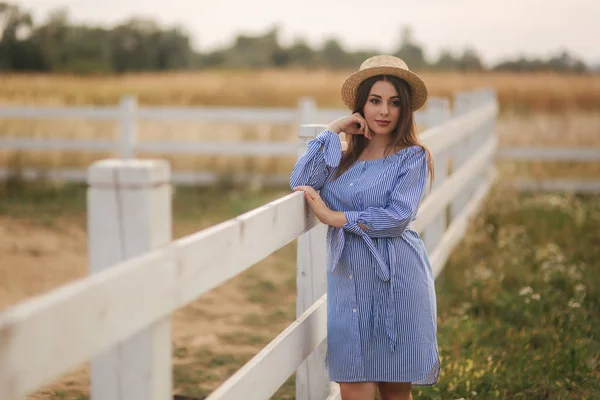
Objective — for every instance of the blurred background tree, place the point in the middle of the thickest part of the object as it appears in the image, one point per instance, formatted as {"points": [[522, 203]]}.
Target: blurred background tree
{"points": [[410, 51], [140, 44]]}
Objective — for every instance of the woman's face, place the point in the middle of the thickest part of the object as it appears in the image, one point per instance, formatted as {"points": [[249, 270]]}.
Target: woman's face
{"points": [[382, 109]]}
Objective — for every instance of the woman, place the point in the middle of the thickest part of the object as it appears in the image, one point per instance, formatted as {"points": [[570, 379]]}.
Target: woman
{"points": [[381, 302]]}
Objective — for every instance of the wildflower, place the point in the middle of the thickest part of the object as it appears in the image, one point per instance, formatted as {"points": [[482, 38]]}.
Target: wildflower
{"points": [[573, 304], [525, 291], [580, 287]]}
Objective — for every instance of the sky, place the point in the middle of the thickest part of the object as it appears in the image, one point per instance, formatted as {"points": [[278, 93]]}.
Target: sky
{"points": [[496, 29]]}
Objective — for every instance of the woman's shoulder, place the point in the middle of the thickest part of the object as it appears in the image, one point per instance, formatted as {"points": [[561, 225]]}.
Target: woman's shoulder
{"points": [[410, 149], [414, 152], [410, 158]]}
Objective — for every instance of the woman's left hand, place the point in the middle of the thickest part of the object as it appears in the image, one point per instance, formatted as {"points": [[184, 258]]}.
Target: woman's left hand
{"points": [[317, 204]]}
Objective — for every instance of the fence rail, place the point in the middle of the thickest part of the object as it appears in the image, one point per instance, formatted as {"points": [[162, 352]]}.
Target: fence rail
{"points": [[552, 154], [549, 154], [127, 145], [127, 114]]}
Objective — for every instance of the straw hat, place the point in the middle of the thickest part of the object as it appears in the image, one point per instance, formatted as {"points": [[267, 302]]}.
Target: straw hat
{"points": [[384, 65]]}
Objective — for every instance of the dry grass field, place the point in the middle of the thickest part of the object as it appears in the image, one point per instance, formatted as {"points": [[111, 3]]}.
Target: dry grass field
{"points": [[269, 88], [536, 109]]}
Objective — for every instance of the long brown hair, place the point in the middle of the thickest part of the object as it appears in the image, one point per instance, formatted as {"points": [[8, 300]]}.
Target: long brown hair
{"points": [[405, 134]]}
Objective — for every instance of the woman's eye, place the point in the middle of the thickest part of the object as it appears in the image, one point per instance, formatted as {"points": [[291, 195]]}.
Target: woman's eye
{"points": [[374, 101], [396, 103]]}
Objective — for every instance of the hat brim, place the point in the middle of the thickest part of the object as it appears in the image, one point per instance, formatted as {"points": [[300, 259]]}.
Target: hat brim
{"points": [[418, 88]]}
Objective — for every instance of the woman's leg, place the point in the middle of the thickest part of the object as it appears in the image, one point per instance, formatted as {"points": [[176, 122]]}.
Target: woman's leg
{"points": [[395, 390], [358, 390]]}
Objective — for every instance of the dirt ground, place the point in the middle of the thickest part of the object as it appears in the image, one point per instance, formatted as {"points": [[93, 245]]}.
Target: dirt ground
{"points": [[35, 258], [218, 332]]}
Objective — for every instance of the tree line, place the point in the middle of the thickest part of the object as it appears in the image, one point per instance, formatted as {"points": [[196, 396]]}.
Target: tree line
{"points": [[138, 44]]}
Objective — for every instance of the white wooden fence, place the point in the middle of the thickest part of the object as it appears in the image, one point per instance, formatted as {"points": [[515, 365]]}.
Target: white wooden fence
{"points": [[557, 155], [127, 145], [119, 316]]}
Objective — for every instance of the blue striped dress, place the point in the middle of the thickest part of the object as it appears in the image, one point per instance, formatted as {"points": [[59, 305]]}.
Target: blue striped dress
{"points": [[381, 302]]}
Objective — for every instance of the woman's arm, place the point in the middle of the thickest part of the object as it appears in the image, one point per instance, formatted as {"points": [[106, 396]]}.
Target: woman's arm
{"points": [[325, 152], [394, 218], [322, 156]]}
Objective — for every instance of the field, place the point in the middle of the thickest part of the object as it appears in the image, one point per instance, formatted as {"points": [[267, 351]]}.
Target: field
{"points": [[522, 92], [539, 109], [43, 244], [516, 302]]}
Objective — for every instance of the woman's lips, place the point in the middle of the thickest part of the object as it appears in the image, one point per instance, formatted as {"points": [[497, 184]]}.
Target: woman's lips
{"points": [[382, 123]]}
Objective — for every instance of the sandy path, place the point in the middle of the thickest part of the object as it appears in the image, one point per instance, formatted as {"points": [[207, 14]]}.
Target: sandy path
{"points": [[36, 257]]}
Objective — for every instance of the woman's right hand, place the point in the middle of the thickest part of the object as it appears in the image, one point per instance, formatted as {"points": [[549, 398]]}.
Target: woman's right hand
{"points": [[353, 124]]}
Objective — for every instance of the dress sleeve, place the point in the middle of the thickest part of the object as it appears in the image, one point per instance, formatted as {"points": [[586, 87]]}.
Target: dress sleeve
{"points": [[402, 206], [322, 157]]}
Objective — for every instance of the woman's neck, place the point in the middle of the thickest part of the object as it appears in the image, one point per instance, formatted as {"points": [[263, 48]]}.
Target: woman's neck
{"points": [[375, 148], [378, 144]]}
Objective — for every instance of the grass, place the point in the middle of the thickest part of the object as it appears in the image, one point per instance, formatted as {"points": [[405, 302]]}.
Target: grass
{"points": [[203, 205], [575, 128], [517, 302], [579, 170], [70, 394], [19, 198], [523, 92]]}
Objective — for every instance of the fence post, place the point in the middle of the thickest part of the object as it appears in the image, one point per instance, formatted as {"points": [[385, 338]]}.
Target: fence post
{"points": [[463, 103], [489, 130], [438, 111], [128, 108], [489, 97], [479, 98], [306, 111], [432, 115], [312, 381], [129, 213]]}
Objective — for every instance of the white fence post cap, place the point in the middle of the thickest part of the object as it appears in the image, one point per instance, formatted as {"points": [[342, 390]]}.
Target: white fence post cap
{"points": [[310, 130], [130, 172]]}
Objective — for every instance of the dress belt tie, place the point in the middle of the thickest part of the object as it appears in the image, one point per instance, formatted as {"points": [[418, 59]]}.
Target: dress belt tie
{"points": [[383, 272]]}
